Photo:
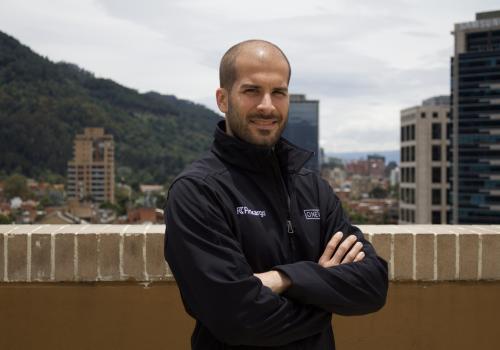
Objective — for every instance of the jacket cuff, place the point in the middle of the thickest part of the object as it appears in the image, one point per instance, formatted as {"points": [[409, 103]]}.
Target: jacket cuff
{"points": [[299, 277]]}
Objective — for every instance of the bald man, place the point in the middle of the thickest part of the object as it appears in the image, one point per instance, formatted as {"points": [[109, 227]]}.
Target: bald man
{"points": [[260, 247]]}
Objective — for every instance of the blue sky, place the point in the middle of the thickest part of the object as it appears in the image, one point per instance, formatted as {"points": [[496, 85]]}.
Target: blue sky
{"points": [[364, 60]]}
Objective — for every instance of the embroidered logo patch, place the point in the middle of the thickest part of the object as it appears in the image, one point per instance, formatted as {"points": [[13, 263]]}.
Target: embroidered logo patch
{"points": [[312, 214], [247, 211]]}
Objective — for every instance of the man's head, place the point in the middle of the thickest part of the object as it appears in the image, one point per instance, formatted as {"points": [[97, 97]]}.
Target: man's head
{"points": [[253, 92]]}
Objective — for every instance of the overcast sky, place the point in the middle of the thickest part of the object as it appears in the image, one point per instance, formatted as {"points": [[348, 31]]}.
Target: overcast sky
{"points": [[364, 60]]}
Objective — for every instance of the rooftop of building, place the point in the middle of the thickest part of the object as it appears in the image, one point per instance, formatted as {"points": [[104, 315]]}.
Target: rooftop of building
{"points": [[441, 101], [484, 20]]}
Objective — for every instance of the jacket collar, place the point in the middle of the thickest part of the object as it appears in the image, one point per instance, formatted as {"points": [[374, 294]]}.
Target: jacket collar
{"points": [[256, 158]]}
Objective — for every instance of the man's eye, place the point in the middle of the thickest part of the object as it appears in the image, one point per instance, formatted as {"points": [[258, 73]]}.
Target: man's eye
{"points": [[251, 90]]}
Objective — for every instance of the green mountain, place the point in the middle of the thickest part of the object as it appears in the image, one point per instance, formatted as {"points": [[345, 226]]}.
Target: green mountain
{"points": [[43, 105]]}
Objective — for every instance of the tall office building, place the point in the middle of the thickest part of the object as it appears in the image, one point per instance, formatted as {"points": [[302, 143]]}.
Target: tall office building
{"points": [[303, 127], [475, 150], [91, 173], [423, 186]]}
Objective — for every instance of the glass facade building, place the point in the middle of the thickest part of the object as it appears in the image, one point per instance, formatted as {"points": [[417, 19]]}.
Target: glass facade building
{"points": [[475, 132], [303, 127]]}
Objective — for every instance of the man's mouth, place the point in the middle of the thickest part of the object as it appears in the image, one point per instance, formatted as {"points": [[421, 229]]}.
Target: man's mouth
{"points": [[263, 123]]}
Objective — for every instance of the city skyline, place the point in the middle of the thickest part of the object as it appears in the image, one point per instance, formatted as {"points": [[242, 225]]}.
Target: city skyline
{"points": [[363, 61]]}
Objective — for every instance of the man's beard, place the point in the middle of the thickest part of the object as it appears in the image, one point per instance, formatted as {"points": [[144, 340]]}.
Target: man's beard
{"points": [[240, 127]]}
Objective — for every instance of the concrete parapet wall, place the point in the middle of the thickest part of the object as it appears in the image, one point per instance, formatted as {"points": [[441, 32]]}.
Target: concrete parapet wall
{"points": [[93, 253], [115, 290]]}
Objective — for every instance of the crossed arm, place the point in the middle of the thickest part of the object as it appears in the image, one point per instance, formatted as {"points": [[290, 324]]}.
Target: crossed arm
{"points": [[348, 279], [350, 250]]}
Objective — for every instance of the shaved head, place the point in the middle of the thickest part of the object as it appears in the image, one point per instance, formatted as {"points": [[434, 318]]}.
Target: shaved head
{"points": [[228, 72]]}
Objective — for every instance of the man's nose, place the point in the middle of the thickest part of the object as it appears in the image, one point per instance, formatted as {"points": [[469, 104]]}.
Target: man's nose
{"points": [[266, 105]]}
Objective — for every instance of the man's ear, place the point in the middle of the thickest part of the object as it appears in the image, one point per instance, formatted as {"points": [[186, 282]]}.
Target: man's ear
{"points": [[222, 97]]}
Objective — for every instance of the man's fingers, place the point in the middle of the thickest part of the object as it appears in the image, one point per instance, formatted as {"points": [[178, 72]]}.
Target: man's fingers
{"points": [[359, 257], [343, 249], [351, 255], [330, 248]]}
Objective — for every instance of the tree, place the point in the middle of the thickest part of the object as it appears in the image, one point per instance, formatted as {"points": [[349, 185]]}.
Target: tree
{"points": [[116, 208], [5, 220], [16, 185], [122, 199], [378, 192], [355, 217], [51, 177], [160, 200]]}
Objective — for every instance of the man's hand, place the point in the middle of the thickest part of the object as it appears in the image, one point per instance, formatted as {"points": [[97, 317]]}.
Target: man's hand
{"points": [[348, 251], [275, 280]]}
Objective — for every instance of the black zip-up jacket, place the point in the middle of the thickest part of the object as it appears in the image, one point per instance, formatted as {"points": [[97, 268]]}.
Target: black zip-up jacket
{"points": [[246, 209]]}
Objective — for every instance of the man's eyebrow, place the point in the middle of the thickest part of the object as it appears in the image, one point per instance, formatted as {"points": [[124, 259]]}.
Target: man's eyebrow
{"points": [[247, 86], [281, 89], [254, 86]]}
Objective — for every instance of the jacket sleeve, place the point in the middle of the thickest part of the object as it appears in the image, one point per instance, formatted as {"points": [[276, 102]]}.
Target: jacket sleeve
{"points": [[216, 282], [347, 289]]}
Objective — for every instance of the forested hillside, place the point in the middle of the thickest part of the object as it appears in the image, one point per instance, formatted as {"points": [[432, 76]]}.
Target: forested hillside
{"points": [[44, 104]]}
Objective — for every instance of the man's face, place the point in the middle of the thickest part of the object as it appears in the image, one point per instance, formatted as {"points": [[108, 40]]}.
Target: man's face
{"points": [[257, 105]]}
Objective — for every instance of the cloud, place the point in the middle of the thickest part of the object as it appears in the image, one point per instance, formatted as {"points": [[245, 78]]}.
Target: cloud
{"points": [[424, 35], [364, 60]]}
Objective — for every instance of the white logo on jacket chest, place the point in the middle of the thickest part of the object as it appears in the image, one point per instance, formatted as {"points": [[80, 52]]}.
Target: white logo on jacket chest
{"points": [[312, 214], [247, 211]]}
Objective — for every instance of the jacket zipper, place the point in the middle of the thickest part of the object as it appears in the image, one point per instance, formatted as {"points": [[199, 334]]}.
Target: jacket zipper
{"points": [[286, 196], [290, 226]]}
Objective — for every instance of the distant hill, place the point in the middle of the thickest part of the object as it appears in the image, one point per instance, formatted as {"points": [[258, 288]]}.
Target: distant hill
{"points": [[389, 155], [44, 104]]}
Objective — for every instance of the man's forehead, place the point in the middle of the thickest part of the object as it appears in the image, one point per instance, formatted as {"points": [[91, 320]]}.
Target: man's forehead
{"points": [[259, 51], [275, 81]]}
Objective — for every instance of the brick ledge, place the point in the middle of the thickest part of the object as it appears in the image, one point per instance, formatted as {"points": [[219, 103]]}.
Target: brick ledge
{"points": [[90, 253]]}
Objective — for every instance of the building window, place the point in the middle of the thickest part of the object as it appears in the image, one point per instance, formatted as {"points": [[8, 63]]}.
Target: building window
{"points": [[412, 175], [412, 132], [412, 195], [412, 216], [403, 133], [436, 217], [436, 196], [436, 174], [412, 153], [422, 115], [436, 152], [434, 115], [405, 154], [436, 131]]}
